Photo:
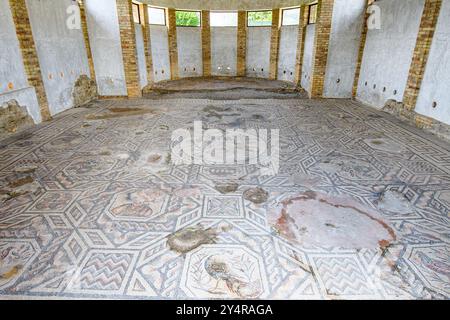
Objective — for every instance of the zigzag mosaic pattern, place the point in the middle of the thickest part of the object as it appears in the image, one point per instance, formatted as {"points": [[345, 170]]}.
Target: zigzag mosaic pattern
{"points": [[105, 200]]}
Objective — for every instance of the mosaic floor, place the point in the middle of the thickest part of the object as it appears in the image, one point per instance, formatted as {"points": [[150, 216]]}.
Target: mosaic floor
{"points": [[93, 207]]}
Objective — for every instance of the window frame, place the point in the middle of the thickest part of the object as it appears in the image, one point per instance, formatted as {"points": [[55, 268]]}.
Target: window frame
{"points": [[134, 4], [287, 9], [181, 10], [248, 26], [164, 14], [224, 11], [309, 13]]}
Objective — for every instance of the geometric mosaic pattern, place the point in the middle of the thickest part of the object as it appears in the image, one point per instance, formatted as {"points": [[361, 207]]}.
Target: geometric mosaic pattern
{"points": [[96, 199]]}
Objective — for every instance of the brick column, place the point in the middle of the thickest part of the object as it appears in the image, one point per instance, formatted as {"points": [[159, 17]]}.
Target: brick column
{"points": [[128, 41], [362, 45], [242, 44], [321, 42], [303, 22], [173, 48], [29, 54], [423, 44], [147, 44], [206, 43], [84, 27], [274, 43]]}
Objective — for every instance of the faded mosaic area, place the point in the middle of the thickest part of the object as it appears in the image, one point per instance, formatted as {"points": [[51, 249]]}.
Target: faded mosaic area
{"points": [[92, 206]]}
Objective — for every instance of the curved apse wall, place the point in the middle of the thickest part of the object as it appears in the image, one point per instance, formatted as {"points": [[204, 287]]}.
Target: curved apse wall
{"points": [[226, 5]]}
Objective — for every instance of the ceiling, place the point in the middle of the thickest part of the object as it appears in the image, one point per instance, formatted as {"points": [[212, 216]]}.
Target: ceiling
{"points": [[225, 4]]}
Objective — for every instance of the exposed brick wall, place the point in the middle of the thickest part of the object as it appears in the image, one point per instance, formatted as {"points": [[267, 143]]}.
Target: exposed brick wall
{"points": [[423, 122], [423, 44], [242, 44], [301, 43], [173, 47], [362, 45], [206, 43], [29, 54], [321, 43], [147, 44], [274, 43], [128, 41], [86, 38]]}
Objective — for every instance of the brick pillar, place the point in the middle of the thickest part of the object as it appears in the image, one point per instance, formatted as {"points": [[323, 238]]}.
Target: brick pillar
{"points": [[362, 45], [242, 44], [274, 43], [303, 22], [84, 27], [128, 41], [423, 44], [147, 44], [206, 43], [173, 48], [321, 42], [29, 54]]}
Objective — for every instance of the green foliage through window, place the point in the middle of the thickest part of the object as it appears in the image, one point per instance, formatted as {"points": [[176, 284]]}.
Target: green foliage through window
{"points": [[259, 18], [188, 18]]}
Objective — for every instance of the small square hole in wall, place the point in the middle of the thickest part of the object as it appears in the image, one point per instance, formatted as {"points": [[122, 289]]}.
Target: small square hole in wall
{"points": [[395, 92], [374, 86], [434, 105]]}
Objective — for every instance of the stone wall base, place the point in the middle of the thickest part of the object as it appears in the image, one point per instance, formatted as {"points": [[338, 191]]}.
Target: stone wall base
{"points": [[399, 110]]}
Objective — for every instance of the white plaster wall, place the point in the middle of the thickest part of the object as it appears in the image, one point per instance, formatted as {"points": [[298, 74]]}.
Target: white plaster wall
{"points": [[223, 51], [287, 53], [61, 51], [189, 42], [11, 64], [308, 56], [160, 52], [388, 52], [345, 37], [104, 38], [11, 67], [142, 65], [436, 82], [258, 51]]}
